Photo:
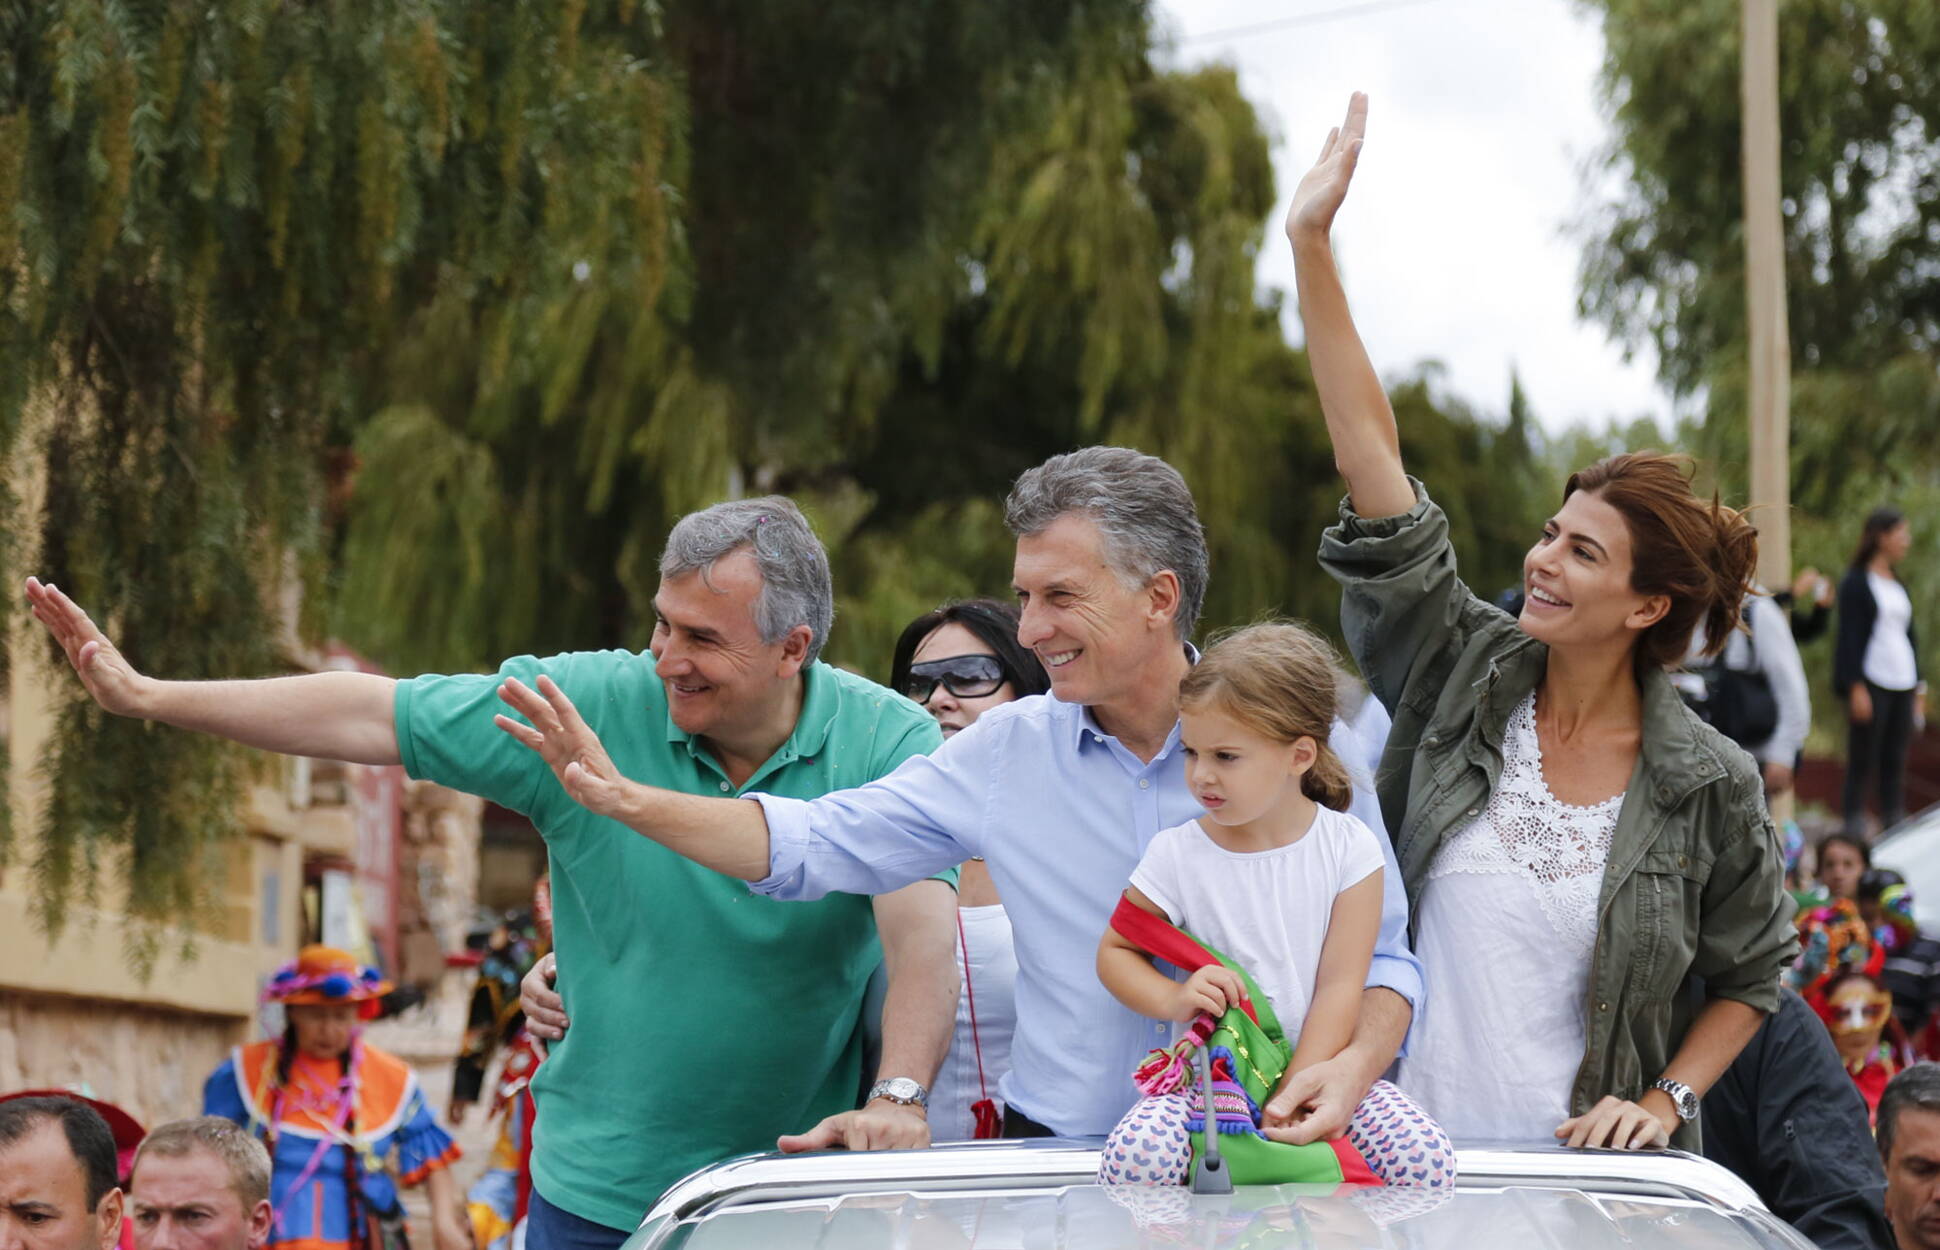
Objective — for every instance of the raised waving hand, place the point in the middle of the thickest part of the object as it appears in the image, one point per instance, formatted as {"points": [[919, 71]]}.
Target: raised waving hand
{"points": [[110, 680], [566, 742], [1367, 448], [1323, 188]]}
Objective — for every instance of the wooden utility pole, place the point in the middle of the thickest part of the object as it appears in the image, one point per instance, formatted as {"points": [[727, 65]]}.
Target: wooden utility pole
{"points": [[1771, 352]]}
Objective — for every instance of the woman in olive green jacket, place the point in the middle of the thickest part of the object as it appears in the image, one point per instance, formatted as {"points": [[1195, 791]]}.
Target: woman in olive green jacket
{"points": [[1579, 849]]}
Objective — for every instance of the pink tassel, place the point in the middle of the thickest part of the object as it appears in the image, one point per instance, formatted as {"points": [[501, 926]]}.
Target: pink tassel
{"points": [[1170, 1070]]}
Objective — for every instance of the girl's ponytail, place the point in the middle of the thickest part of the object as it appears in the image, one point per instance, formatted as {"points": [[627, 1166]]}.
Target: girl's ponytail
{"points": [[1327, 782]]}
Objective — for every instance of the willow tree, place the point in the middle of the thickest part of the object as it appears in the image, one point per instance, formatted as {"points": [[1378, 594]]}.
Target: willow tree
{"points": [[227, 221]]}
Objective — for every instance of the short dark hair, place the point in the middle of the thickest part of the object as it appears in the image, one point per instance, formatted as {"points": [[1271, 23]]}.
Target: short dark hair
{"points": [[994, 622], [1917, 1087], [88, 1137]]}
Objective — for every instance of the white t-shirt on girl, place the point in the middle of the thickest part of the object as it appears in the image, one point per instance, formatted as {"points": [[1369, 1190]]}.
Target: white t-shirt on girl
{"points": [[1265, 910]]}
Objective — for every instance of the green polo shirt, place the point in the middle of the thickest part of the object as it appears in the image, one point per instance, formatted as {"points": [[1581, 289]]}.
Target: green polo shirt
{"points": [[706, 1020]]}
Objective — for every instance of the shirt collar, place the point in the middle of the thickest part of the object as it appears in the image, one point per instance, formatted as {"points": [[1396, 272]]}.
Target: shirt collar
{"points": [[1085, 726]]}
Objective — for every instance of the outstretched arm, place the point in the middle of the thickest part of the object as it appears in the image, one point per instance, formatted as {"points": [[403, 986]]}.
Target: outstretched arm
{"points": [[333, 716], [1367, 448]]}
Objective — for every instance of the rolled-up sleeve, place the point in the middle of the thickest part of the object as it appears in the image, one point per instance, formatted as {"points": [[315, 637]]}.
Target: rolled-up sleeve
{"points": [[1745, 932], [1401, 601], [922, 818]]}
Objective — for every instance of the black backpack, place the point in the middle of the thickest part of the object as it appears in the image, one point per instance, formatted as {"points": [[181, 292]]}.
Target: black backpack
{"points": [[1738, 703]]}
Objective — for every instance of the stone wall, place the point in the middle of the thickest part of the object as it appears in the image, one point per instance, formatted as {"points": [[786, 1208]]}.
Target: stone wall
{"points": [[149, 1061]]}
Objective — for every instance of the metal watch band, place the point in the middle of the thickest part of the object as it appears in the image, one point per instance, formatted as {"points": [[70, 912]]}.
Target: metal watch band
{"points": [[900, 1089], [1683, 1097]]}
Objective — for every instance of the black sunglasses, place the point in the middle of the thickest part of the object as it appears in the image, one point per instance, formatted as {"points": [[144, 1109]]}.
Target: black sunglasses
{"points": [[965, 676]]}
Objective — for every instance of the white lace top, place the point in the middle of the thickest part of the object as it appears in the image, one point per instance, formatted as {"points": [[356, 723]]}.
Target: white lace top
{"points": [[1505, 931]]}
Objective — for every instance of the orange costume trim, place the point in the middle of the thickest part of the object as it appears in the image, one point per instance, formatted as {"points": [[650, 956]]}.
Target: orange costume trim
{"points": [[384, 1088]]}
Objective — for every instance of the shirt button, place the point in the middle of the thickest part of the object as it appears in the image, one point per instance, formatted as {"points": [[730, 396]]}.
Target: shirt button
{"points": [[725, 787], [1471, 811], [1603, 1006], [1145, 783], [1097, 739]]}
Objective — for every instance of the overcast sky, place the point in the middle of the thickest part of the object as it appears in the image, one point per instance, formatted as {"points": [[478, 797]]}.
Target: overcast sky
{"points": [[1452, 240]]}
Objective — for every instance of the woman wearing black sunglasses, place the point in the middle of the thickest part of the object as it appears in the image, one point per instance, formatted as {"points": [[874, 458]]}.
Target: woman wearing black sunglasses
{"points": [[959, 662]]}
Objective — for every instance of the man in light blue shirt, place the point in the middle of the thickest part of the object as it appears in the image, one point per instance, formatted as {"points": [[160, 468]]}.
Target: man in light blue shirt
{"points": [[1059, 793]]}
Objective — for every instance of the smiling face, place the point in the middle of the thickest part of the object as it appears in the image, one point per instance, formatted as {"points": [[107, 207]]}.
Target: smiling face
{"points": [[1236, 773], [721, 678], [952, 711], [1097, 636], [44, 1196], [189, 1202], [1577, 579]]}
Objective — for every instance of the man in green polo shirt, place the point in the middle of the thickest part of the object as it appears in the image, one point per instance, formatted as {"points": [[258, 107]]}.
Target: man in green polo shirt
{"points": [[706, 1020]]}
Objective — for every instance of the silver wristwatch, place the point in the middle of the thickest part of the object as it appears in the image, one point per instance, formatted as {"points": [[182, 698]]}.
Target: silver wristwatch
{"points": [[1682, 1096], [900, 1089]]}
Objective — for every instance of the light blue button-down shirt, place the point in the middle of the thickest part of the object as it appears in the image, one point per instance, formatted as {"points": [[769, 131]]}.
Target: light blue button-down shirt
{"points": [[1061, 813]]}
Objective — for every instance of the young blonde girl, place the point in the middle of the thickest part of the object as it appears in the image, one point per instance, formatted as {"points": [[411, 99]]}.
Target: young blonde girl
{"points": [[1277, 876]]}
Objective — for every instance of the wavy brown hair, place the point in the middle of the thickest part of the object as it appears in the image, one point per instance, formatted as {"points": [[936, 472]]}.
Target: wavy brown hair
{"points": [[1702, 556], [1282, 681]]}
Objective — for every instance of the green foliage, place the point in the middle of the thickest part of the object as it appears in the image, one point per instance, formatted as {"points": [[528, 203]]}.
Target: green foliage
{"points": [[226, 222], [1859, 86], [448, 309]]}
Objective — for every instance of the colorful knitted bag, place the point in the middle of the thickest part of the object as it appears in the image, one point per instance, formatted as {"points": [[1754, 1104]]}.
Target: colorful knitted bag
{"points": [[1249, 1055]]}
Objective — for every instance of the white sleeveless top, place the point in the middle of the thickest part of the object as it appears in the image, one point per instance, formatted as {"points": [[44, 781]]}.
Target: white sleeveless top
{"points": [[1505, 930], [986, 1018]]}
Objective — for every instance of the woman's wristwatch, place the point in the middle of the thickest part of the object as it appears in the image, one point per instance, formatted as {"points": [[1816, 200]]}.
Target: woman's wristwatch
{"points": [[900, 1089], [1683, 1097]]}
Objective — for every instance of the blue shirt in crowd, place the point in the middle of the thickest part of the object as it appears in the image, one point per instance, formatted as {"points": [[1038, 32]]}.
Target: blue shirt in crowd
{"points": [[1061, 812]]}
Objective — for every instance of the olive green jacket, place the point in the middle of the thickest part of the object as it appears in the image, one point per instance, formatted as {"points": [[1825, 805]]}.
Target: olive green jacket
{"points": [[1694, 886]]}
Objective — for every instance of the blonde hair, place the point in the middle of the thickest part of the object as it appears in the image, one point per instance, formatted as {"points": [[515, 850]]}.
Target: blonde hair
{"points": [[246, 1159], [1282, 681]]}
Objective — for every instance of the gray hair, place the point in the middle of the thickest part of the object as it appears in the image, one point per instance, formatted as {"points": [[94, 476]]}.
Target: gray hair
{"points": [[795, 585], [244, 1156], [1918, 1087], [1140, 505]]}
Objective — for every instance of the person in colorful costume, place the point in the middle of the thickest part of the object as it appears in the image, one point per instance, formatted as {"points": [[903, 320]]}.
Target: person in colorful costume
{"points": [[1287, 883], [498, 1200], [347, 1126], [1840, 975]]}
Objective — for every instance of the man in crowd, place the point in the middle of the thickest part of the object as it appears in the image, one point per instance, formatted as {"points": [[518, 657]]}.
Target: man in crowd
{"points": [[200, 1184], [57, 1177], [1059, 794], [1786, 1118], [1908, 1130], [675, 975]]}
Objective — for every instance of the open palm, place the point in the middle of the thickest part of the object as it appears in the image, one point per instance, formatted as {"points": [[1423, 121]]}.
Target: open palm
{"points": [[1321, 191]]}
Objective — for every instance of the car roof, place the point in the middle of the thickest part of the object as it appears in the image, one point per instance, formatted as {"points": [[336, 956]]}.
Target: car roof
{"points": [[1043, 1194]]}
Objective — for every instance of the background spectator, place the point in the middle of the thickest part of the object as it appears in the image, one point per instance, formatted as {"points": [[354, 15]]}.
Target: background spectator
{"points": [[1842, 859], [57, 1176], [958, 662], [1785, 1119], [1876, 669], [201, 1184], [1908, 1130]]}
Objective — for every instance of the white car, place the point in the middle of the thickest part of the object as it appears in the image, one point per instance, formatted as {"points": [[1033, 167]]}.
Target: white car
{"points": [[1042, 1195], [1912, 849]]}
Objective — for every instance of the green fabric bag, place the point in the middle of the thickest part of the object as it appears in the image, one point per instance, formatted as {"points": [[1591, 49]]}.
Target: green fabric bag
{"points": [[1250, 1053]]}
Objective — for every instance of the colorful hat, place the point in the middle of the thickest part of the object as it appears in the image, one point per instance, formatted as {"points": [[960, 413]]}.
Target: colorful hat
{"points": [[323, 976]]}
